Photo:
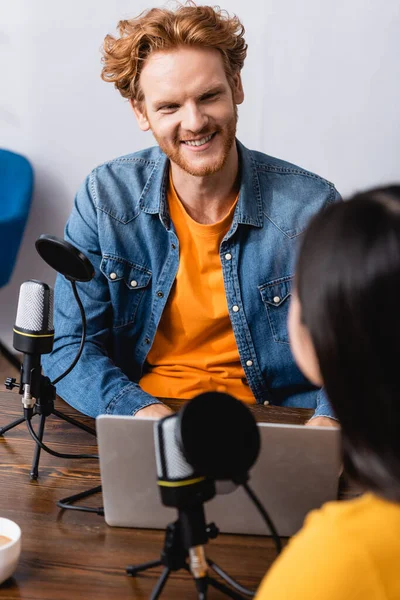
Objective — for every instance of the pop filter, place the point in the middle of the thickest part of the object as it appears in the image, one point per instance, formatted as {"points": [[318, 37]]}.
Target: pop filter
{"points": [[64, 258], [218, 436]]}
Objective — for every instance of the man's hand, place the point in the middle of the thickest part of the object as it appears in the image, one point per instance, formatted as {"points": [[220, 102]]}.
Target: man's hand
{"points": [[154, 411], [323, 422]]}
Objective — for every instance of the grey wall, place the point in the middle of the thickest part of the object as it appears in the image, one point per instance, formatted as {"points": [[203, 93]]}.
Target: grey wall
{"points": [[321, 82]]}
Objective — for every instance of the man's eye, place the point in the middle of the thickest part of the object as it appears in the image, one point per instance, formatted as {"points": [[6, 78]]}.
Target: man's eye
{"points": [[210, 96], [168, 108]]}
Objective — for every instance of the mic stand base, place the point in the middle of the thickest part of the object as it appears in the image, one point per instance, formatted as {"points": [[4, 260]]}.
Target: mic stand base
{"points": [[45, 407], [174, 557]]}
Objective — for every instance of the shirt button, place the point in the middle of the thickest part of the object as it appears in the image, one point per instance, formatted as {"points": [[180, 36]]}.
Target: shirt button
{"points": [[277, 299], [113, 276], [173, 246], [228, 256], [133, 283], [160, 294], [266, 402], [147, 340], [235, 308], [249, 363]]}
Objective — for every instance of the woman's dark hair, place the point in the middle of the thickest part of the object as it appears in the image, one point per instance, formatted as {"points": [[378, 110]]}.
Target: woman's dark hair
{"points": [[348, 283]]}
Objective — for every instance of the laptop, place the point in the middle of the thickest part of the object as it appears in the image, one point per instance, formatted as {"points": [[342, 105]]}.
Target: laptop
{"points": [[297, 470]]}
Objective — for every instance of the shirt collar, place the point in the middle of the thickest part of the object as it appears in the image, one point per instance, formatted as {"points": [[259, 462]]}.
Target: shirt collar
{"points": [[248, 211]]}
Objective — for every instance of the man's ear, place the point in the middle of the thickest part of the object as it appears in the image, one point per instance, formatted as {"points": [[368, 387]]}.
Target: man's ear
{"points": [[237, 90], [140, 114]]}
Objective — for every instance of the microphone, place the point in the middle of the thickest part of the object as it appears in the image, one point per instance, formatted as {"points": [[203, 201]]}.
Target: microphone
{"points": [[208, 447], [33, 335], [186, 489], [213, 438]]}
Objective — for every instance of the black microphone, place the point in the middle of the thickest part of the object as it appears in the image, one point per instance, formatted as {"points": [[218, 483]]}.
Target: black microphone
{"points": [[33, 335], [208, 447], [184, 488], [212, 438]]}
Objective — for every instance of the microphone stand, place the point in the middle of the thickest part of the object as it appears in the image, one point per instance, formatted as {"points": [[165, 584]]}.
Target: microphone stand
{"points": [[44, 407], [174, 556], [45, 396]]}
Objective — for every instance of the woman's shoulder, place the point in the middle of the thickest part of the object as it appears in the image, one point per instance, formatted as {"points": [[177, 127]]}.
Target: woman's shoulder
{"points": [[358, 516], [337, 554]]}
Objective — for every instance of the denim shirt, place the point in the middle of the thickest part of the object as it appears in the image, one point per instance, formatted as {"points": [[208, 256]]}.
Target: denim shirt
{"points": [[120, 221]]}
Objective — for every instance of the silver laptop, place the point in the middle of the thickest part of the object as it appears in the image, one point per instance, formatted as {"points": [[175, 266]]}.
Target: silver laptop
{"points": [[297, 470]]}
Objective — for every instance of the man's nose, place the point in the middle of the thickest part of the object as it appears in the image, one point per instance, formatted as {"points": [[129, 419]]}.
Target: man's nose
{"points": [[194, 118]]}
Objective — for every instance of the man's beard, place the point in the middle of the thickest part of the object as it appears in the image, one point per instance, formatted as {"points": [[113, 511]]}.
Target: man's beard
{"points": [[175, 155]]}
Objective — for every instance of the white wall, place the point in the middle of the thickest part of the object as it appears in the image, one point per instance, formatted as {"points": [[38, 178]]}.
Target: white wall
{"points": [[322, 83]]}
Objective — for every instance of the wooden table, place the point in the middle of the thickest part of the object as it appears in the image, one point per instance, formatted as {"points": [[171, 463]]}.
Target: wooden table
{"points": [[68, 554]]}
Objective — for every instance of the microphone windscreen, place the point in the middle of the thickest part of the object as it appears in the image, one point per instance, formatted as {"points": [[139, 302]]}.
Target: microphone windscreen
{"points": [[35, 310], [64, 258], [219, 436]]}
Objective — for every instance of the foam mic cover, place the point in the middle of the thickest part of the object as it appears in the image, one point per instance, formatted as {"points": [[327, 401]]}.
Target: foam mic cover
{"points": [[34, 329]]}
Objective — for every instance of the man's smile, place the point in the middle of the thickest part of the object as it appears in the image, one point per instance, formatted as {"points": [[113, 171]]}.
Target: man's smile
{"points": [[199, 143]]}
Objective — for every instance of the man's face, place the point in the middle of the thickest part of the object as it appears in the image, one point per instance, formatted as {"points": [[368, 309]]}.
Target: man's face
{"points": [[190, 107]]}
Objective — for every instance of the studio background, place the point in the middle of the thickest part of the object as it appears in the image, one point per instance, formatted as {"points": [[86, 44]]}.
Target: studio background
{"points": [[321, 81]]}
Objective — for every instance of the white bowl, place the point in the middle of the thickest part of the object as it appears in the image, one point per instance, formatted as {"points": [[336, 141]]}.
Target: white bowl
{"points": [[9, 553]]}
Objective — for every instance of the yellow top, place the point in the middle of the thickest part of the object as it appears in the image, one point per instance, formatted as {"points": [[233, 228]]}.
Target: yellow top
{"points": [[348, 550], [194, 349]]}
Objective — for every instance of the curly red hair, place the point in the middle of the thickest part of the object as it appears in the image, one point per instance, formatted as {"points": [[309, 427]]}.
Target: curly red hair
{"points": [[163, 29]]}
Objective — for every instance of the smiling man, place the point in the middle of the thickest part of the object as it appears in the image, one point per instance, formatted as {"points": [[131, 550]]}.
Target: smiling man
{"points": [[193, 241]]}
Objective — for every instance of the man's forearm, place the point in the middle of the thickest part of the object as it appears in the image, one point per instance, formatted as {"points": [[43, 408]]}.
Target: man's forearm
{"points": [[95, 385]]}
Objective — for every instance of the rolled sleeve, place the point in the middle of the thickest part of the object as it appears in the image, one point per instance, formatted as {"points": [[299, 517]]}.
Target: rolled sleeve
{"points": [[323, 408]]}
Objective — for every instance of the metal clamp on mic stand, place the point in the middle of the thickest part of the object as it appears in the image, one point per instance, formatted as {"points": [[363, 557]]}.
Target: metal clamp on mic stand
{"points": [[214, 437], [34, 335]]}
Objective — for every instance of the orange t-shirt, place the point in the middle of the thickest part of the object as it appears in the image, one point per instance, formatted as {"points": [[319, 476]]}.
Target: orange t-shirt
{"points": [[194, 349]]}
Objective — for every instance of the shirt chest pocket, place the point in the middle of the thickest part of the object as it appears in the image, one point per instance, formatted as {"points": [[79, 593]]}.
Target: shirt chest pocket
{"points": [[127, 283], [276, 299]]}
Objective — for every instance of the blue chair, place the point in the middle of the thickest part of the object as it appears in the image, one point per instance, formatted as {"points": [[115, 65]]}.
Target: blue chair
{"points": [[16, 188]]}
